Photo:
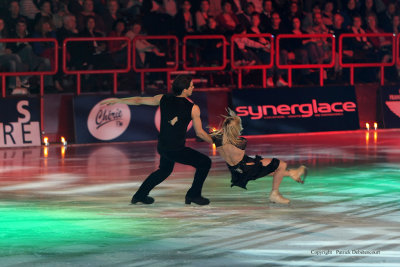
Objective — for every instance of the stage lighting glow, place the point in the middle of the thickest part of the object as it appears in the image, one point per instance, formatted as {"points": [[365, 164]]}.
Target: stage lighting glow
{"points": [[63, 141], [45, 151], [46, 141], [367, 126], [375, 126]]}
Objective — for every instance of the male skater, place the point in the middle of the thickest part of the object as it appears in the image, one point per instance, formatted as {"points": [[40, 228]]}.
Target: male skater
{"points": [[176, 113]]}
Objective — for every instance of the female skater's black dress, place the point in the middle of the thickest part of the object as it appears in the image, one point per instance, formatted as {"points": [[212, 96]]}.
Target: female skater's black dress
{"points": [[242, 173]]}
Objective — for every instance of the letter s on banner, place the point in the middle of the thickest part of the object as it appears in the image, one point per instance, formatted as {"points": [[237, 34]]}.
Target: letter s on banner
{"points": [[26, 114]]}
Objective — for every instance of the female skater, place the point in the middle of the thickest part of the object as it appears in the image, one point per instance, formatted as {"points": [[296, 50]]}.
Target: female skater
{"points": [[243, 168]]}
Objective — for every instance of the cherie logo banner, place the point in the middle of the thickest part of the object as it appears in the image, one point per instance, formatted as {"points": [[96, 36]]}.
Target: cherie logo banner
{"points": [[296, 110], [107, 122]]}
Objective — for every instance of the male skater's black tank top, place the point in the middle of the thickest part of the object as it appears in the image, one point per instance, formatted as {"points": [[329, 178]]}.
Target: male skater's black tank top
{"points": [[176, 114]]}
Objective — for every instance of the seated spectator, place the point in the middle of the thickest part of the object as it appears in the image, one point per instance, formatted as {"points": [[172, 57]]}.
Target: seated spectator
{"points": [[266, 15], [381, 45], [144, 48], [69, 30], [367, 8], [211, 54], [250, 52], [245, 17], [111, 15], [58, 16], [386, 17], [28, 9], [25, 52], [293, 12], [13, 16], [327, 13], [361, 47], [88, 11], [348, 12], [45, 11], [227, 20], [118, 48], [184, 22], [275, 29], [44, 29], [202, 15], [10, 62]]}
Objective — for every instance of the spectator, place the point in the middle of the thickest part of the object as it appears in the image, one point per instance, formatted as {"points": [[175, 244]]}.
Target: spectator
{"points": [[62, 10], [227, 21], [45, 11], [215, 8], [367, 8], [246, 50], [202, 15], [245, 18], [88, 11], [308, 20], [386, 17], [293, 12], [69, 30], [258, 5], [111, 15], [276, 29], [381, 45], [14, 16], [25, 52], [143, 47], [184, 22], [327, 13], [239, 6], [266, 15], [28, 9], [11, 62], [349, 12], [118, 48]]}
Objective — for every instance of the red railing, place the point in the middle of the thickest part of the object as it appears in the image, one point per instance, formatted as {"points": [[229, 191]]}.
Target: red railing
{"points": [[321, 67], [167, 69], [28, 73], [381, 65], [264, 67], [78, 73]]}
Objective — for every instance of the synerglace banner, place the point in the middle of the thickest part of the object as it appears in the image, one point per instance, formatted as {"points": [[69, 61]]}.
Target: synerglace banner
{"points": [[296, 110]]}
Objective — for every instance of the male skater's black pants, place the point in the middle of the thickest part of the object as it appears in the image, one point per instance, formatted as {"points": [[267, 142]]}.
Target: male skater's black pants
{"points": [[186, 156]]}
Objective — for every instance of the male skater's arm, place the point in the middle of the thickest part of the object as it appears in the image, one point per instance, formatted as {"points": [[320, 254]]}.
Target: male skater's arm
{"points": [[136, 100], [198, 127]]}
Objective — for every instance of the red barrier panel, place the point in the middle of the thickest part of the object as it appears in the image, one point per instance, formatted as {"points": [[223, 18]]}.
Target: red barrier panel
{"points": [[364, 65], [289, 67], [168, 69], [102, 71], [252, 67], [204, 37], [27, 73]]}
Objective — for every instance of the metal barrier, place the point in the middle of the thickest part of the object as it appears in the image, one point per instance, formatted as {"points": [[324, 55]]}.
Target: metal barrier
{"points": [[290, 67], [382, 65], [103, 71], [252, 67], [167, 70], [28, 73]]}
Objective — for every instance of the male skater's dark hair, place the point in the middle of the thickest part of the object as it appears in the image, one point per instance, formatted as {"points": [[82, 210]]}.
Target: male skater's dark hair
{"points": [[180, 83]]}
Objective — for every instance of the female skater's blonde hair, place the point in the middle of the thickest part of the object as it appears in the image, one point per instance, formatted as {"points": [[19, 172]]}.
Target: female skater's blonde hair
{"points": [[231, 129]]}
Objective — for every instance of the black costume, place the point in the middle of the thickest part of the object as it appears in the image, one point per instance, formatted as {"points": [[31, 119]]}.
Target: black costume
{"points": [[242, 173], [175, 118]]}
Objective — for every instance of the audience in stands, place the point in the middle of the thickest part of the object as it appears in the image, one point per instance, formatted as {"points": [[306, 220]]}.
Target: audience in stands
{"points": [[95, 18]]}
